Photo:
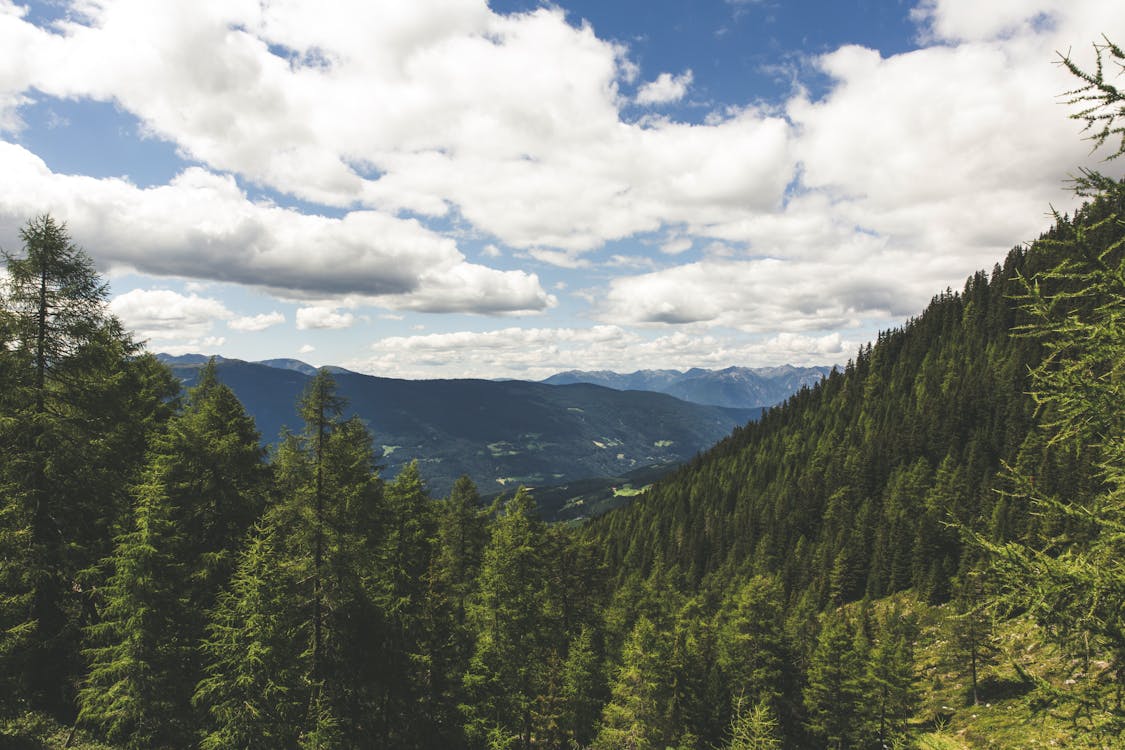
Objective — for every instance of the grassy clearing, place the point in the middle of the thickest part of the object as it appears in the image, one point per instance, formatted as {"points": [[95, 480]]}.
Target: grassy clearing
{"points": [[1011, 712], [38, 732]]}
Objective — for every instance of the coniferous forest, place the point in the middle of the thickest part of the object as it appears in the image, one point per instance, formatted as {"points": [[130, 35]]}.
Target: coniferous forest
{"points": [[924, 550]]}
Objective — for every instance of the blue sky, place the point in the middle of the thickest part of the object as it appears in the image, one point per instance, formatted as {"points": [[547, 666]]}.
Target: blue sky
{"points": [[453, 188]]}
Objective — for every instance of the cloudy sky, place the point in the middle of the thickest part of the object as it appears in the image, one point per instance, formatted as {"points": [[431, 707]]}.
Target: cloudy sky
{"points": [[452, 188]]}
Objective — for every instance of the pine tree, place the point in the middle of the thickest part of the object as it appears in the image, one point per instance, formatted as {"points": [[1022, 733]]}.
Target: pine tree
{"points": [[834, 696], [80, 402], [638, 713], [292, 644], [505, 672], [202, 489]]}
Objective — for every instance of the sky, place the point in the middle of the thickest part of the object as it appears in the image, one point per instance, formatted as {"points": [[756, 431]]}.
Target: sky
{"points": [[458, 188]]}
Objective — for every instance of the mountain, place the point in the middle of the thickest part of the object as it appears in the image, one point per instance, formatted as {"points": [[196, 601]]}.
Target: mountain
{"points": [[962, 480], [298, 366], [501, 434], [736, 387]]}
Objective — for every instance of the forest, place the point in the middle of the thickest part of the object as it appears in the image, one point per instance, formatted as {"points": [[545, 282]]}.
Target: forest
{"points": [[931, 534]]}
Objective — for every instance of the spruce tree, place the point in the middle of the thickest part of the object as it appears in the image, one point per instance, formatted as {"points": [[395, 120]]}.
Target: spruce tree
{"points": [[291, 653], [583, 689], [835, 694], [80, 403], [201, 490], [891, 678], [755, 653], [505, 672], [404, 562], [138, 688], [461, 535], [638, 713]]}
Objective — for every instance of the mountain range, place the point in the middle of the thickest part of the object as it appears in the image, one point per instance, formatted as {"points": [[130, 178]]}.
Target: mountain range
{"points": [[499, 433], [735, 387]]}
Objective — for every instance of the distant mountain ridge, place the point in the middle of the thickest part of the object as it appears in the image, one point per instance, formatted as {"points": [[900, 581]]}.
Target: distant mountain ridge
{"points": [[733, 387], [500, 433], [189, 360]]}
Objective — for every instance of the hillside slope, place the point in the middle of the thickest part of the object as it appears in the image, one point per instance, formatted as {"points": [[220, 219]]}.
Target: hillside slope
{"points": [[501, 434], [846, 486]]}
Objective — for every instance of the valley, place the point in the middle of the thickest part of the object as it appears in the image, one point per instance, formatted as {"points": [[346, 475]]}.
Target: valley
{"points": [[502, 434]]}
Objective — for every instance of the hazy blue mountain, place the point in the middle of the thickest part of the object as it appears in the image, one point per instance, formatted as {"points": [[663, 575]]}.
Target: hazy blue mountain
{"points": [[176, 360], [500, 433], [735, 387], [297, 365]]}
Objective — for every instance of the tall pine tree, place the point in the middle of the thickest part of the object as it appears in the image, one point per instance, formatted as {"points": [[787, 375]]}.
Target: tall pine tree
{"points": [[80, 403], [291, 659], [203, 487]]}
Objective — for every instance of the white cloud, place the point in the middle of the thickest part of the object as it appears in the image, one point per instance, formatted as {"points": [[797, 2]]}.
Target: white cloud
{"points": [[666, 88], [559, 258], [676, 245], [202, 226], [306, 349], [437, 106], [204, 345], [858, 281], [254, 323], [323, 317], [535, 353], [969, 20], [162, 314]]}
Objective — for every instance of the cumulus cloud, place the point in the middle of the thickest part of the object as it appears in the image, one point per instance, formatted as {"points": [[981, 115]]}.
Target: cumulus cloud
{"points": [[913, 171], [535, 353], [203, 226], [666, 88], [864, 280], [255, 323], [323, 317], [422, 109], [908, 172], [162, 314]]}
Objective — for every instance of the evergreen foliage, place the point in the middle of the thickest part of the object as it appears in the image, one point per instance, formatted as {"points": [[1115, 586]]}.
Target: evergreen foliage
{"points": [[202, 488], [292, 659], [79, 405], [512, 644]]}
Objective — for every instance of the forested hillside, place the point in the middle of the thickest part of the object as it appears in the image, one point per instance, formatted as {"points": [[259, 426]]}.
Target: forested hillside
{"points": [[500, 433], [924, 549]]}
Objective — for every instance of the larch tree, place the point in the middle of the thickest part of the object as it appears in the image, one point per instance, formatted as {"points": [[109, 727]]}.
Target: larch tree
{"points": [[1072, 581], [505, 672], [202, 489], [290, 656], [81, 401], [641, 694]]}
